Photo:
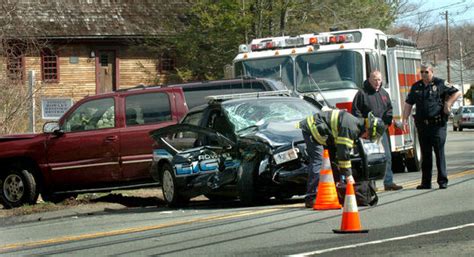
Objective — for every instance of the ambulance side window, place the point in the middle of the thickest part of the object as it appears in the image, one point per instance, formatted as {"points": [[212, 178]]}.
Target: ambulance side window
{"points": [[371, 63], [383, 70]]}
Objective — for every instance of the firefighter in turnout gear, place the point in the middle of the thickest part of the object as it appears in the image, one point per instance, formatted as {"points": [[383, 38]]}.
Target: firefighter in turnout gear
{"points": [[338, 129]]}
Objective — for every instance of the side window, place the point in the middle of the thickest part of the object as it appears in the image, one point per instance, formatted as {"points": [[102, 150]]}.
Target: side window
{"points": [[147, 108], [383, 70], [371, 63], [184, 140], [193, 119], [95, 114]]}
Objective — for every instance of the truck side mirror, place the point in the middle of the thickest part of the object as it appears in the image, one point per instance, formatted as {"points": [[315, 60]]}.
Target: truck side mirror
{"points": [[52, 127]]}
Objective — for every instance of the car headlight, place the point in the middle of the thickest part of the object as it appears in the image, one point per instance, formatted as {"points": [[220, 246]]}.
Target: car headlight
{"points": [[373, 148], [286, 156]]}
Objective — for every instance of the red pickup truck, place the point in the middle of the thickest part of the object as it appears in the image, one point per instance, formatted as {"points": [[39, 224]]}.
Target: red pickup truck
{"points": [[101, 143]]}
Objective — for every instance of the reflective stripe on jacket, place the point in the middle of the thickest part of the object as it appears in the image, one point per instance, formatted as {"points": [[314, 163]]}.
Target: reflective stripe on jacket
{"points": [[338, 128]]}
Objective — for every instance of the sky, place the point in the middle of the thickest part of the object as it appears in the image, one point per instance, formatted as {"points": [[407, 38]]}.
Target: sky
{"points": [[459, 11]]}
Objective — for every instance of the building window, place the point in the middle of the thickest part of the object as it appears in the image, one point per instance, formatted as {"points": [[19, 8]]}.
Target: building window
{"points": [[167, 63], [49, 66], [15, 67]]}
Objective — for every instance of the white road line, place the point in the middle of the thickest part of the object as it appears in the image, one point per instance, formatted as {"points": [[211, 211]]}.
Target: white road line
{"points": [[382, 241]]}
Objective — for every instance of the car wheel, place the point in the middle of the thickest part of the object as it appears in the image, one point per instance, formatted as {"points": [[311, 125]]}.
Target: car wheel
{"points": [[413, 163], [398, 165], [246, 184], [460, 128], [18, 186], [170, 189]]}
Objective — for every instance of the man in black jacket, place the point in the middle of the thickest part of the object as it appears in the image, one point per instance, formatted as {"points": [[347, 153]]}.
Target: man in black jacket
{"points": [[373, 98]]}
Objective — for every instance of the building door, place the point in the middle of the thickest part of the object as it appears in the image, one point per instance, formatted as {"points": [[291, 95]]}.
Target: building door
{"points": [[106, 71]]}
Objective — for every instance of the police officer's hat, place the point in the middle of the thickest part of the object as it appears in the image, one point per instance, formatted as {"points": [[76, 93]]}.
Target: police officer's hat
{"points": [[375, 127]]}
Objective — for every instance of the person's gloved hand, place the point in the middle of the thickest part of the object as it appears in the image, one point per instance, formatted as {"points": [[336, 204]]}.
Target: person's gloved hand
{"points": [[350, 179]]}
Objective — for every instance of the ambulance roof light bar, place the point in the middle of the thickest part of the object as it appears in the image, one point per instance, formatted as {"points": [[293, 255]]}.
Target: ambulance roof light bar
{"points": [[298, 41]]}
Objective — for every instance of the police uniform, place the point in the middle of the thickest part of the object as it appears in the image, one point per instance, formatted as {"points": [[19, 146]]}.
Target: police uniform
{"points": [[430, 122], [330, 128]]}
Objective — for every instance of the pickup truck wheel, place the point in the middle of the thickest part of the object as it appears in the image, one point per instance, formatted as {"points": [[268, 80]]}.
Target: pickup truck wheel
{"points": [[246, 183], [18, 186], [170, 189]]}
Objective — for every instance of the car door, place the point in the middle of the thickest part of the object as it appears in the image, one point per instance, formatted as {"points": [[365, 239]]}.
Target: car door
{"points": [[143, 113], [85, 153], [217, 155]]}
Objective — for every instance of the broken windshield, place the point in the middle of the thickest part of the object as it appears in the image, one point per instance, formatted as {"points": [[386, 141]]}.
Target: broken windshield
{"points": [[244, 114], [276, 68], [330, 70]]}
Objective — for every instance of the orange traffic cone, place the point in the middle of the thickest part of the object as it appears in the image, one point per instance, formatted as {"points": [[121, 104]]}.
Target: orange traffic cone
{"points": [[350, 214], [326, 198]]}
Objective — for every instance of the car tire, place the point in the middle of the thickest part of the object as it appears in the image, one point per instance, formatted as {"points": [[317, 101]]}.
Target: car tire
{"points": [[460, 128], [398, 165], [170, 188], [18, 186], [246, 184]]}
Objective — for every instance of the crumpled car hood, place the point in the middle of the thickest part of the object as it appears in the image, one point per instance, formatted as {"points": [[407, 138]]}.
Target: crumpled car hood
{"points": [[277, 133]]}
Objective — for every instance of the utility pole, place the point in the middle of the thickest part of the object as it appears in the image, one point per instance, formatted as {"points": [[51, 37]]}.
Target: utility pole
{"points": [[243, 14], [447, 48], [462, 81]]}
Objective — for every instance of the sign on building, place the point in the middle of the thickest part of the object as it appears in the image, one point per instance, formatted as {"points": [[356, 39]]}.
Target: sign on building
{"points": [[54, 108]]}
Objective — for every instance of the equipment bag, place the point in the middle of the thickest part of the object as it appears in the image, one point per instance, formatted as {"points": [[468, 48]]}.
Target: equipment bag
{"points": [[364, 191]]}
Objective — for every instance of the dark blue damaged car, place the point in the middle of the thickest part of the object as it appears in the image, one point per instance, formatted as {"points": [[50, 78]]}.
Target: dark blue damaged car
{"points": [[246, 148]]}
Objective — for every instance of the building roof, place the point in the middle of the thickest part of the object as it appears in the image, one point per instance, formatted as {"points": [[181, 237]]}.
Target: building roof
{"points": [[90, 19]]}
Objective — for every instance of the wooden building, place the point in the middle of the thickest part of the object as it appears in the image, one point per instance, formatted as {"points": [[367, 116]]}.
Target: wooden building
{"points": [[88, 46]]}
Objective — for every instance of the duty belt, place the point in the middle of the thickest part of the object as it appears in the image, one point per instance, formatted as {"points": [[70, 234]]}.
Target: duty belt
{"points": [[436, 120]]}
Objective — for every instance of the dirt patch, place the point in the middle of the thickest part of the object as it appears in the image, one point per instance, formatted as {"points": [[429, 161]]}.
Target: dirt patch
{"points": [[126, 198]]}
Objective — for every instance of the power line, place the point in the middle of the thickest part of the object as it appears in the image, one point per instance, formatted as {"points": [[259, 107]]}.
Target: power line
{"points": [[436, 9]]}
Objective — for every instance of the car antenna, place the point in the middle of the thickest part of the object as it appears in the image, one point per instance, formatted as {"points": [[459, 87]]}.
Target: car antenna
{"points": [[318, 88]]}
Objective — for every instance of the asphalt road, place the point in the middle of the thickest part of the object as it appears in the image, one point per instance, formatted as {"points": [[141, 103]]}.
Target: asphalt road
{"points": [[405, 223]]}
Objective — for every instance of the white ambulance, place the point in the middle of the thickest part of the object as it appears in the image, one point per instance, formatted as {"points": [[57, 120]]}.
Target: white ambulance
{"points": [[336, 64]]}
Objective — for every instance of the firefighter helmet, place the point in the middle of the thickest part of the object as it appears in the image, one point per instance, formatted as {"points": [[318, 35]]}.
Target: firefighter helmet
{"points": [[375, 127]]}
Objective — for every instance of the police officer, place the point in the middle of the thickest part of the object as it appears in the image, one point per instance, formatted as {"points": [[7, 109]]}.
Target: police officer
{"points": [[433, 98], [339, 129]]}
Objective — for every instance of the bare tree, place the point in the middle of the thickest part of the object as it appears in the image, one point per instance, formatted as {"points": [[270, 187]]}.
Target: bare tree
{"points": [[15, 44]]}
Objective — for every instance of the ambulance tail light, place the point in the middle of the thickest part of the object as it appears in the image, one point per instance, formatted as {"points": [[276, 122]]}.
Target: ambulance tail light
{"points": [[345, 106]]}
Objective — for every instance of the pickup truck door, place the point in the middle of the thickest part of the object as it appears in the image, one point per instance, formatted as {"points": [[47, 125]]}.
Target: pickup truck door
{"points": [[143, 112], [85, 153]]}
